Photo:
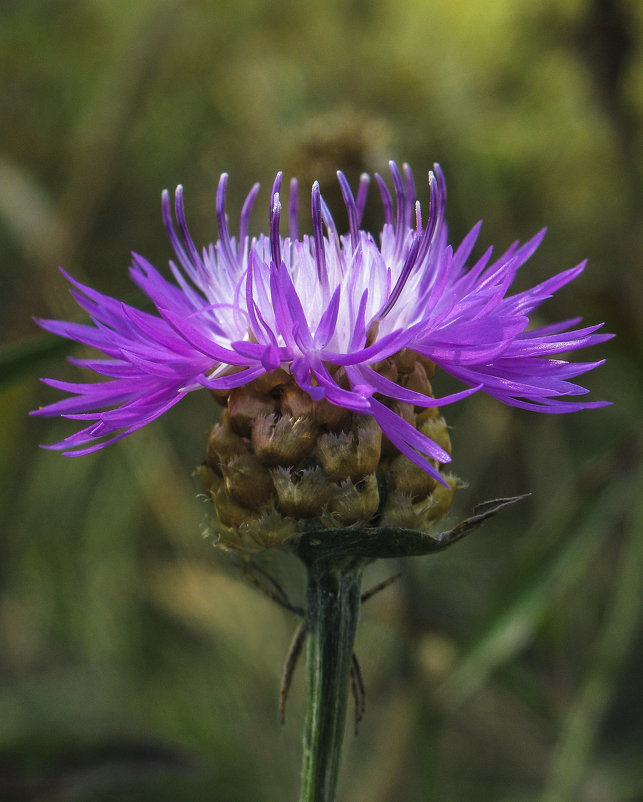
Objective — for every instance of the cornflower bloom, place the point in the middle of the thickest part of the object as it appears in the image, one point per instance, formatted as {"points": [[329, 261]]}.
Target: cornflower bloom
{"points": [[335, 324]]}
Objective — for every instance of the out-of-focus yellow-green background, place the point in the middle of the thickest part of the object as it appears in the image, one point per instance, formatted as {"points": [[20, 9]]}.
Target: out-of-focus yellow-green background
{"points": [[136, 663]]}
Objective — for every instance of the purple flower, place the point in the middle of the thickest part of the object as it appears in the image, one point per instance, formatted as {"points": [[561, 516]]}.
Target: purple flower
{"points": [[308, 304]]}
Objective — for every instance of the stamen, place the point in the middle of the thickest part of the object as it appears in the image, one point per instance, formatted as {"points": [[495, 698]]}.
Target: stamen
{"points": [[175, 241], [333, 235], [409, 184], [349, 202], [327, 217], [275, 217], [400, 209], [183, 227], [409, 264], [293, 209], [442, 184], [224, 232], [387, 200], [442, 197], [432, 227], [320, 255], [256, 318], [245, 219], [276, 188], [275, 240], [362, 192]]}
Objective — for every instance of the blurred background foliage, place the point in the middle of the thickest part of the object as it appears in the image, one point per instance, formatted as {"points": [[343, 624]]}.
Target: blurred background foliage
{"points": [[135, 661]]}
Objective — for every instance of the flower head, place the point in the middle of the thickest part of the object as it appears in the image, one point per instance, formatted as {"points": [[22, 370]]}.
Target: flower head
{"points": [[353, 322]]}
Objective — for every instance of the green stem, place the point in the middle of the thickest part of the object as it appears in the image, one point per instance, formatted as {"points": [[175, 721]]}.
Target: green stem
{"points": [[332, 612]]}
